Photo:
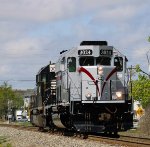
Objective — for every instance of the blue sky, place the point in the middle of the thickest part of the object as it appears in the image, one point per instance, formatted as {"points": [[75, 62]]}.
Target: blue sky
{"points": [[33, 32]]}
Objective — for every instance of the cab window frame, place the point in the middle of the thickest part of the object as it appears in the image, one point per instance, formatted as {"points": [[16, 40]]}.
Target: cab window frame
{"points": [[86, 61], [105, 60], [118, 62], [71, 64]]}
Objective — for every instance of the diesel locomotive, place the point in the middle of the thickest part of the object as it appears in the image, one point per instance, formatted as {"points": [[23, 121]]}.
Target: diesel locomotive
{"points": [[86, 90]]}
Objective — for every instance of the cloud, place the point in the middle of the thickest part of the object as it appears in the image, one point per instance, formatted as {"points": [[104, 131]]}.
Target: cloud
{"points": [[112, 15], [22, 47], [4, 69], [33, 32], [52, 10], [35, 10]]}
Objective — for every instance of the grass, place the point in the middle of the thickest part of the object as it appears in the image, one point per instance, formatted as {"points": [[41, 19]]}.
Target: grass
{"points": [[23, 123], [3, 139], [3, 142], [132, 131], [135, 133]]}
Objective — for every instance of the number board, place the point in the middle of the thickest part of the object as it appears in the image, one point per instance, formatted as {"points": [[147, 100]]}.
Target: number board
{"points": [[85, 52], [106, 52], [52, 68]]}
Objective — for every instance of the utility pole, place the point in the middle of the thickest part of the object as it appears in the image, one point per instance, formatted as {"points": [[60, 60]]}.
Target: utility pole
{"points": [[130, 69], [148, 58]]}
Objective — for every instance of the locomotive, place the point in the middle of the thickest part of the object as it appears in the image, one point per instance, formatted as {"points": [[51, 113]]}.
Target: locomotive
{"points": [[86, 90]]}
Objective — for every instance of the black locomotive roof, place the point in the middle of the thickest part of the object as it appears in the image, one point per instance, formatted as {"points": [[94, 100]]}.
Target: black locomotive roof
{"points": [[93, 43], [43, 69]]}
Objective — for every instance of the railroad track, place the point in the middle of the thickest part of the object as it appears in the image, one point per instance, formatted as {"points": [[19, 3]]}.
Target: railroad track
{"points": [[138, 140], [121, 140], [20, 127]]}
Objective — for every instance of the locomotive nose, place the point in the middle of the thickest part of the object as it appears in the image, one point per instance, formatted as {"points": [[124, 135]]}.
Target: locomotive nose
{"points": [[89, 84]]}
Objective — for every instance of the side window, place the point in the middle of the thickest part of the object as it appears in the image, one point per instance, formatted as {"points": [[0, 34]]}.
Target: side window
{"points": [[37, 78], [71, 64], [118, 62], [62, 65], [44, 78]]}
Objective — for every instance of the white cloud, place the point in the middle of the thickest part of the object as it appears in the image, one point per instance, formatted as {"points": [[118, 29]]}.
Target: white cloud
{"points": [[35, 10], [33, 32], [116, 14], [22, 47], [4, 69], [51, 10], [139, 53]]}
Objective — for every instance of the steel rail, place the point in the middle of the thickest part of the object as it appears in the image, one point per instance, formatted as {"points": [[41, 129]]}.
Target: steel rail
{"points": [[136, 141]]}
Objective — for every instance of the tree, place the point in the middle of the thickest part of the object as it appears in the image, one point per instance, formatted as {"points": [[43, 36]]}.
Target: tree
{"points": [[9, 100], [141, 87]]}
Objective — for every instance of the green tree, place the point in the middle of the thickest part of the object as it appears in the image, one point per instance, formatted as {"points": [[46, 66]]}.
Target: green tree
{"points": [[141, 87], [9, 99]]}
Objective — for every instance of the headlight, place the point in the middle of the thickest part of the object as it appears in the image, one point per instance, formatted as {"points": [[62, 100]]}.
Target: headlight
{"points": [[100, 70], [88, 95], [119, 94]]}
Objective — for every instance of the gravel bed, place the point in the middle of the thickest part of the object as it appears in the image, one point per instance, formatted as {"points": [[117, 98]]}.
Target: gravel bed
{"points": [[20, 138]]}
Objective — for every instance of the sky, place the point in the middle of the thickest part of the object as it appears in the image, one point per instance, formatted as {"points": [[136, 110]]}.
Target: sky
{"points": [[33, 32]]}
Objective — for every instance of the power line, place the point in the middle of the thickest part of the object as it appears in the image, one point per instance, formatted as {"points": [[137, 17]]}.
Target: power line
{"points": [[18, 80]]}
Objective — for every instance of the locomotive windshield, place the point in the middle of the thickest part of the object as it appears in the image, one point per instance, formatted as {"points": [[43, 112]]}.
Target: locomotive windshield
{"points": [[103, 61], [86, 61], [89, 61]]}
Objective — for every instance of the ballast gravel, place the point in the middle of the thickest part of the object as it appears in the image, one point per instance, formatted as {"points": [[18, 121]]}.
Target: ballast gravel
{"points": [[20, 138]]}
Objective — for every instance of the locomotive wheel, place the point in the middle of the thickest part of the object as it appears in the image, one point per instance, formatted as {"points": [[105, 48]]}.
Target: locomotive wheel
{"points": [[105, 133], [84, 136], [77, 134], [52, 130], [116, 134], [41, 129], [110, 133]]}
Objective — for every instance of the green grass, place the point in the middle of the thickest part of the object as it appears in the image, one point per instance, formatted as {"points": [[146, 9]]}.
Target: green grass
{"points": [[23, 123], [3, 142], [6, 145], [131, 131], [3, 139]]}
